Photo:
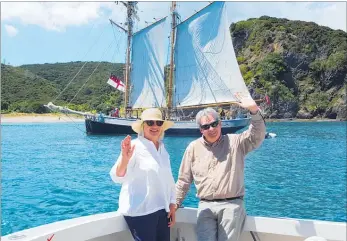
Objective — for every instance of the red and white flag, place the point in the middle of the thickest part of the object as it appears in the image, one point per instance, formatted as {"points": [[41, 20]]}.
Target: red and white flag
{"points": [[267, 100], [116, 83]]}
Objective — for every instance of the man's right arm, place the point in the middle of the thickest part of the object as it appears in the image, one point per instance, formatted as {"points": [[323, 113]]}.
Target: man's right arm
{"points": [[254, 136], [185, 176]]}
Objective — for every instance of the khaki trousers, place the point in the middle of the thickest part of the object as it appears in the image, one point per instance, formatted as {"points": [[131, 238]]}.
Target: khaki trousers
{"points": [[220, 220]]}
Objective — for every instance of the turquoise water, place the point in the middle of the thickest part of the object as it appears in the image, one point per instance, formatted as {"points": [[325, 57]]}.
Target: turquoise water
{"points": [[52, 172]]}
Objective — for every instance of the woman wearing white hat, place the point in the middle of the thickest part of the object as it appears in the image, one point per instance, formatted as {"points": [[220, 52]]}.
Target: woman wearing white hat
{"points": [[147, 198]]}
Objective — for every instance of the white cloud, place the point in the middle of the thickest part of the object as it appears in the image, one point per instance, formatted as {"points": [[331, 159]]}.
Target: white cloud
{"points": [[59, 15], [51, 15], [11, 31]]}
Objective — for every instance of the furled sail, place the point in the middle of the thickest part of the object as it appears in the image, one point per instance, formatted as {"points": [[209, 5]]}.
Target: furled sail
{"points": [[206, 67], [147, 69]]}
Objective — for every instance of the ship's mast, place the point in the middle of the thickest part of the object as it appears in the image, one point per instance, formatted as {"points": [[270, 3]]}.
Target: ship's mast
{"points": [[130, 12], [172, 42]]}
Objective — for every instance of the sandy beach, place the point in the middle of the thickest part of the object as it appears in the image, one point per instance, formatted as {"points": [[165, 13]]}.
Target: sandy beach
{"points": [[56, 118], [40, 118]]}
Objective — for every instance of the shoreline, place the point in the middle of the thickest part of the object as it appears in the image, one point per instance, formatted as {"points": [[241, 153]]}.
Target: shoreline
{"points": [[40, 118], [62, 118]]}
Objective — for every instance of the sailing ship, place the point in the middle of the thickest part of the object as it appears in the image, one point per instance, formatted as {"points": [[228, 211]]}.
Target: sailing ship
{"points": [[203, 71]]}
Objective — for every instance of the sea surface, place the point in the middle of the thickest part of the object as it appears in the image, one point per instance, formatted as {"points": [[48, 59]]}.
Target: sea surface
{"points": [[54, 171]]}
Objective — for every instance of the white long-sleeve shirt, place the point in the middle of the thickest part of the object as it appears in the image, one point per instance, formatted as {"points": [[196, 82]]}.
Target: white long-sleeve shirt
{"points": [[148, 184]]}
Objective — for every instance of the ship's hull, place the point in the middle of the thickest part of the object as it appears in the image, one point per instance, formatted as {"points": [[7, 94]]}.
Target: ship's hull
{"points": [[121, 126]]}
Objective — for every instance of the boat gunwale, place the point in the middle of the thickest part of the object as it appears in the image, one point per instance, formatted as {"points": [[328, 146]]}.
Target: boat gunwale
{"points": [[113, 222]]}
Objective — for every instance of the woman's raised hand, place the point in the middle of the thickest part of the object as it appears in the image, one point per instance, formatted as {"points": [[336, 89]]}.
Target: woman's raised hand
{"points": [[127, 149]]}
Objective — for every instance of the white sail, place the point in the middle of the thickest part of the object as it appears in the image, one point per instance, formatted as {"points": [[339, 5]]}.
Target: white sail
{"points": [[206, 67], [147, 67]]}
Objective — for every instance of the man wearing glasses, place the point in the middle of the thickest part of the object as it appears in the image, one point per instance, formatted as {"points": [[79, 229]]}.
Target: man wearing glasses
{"points": [[215, 163]]}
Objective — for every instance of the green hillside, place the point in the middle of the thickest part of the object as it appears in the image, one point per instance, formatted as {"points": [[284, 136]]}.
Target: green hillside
{"points": [[94, 95], [302, 67], [23, 91]]}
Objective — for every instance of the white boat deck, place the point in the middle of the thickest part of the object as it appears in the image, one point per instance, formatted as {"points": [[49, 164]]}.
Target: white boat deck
{"points": [[112, 227]]}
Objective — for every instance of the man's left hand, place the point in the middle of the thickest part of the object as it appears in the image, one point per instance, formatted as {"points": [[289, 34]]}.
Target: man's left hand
{"points": [[172, 214]]}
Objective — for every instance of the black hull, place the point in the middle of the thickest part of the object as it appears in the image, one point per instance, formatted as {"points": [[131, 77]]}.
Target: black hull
{"points": [[99, 128]]}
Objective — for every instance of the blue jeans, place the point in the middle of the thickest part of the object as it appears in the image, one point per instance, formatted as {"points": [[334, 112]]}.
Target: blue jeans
{"points": [[150, 227]]}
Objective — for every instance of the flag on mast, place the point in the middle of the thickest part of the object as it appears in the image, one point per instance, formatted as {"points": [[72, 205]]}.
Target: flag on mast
{"points": [[115, 82]]}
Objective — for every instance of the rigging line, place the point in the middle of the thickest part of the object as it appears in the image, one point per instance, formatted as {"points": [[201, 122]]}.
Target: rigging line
{"points": [[118, 45], [148, 27], [95, 42], [80, 68], [70, 81], [92, 72], [113, 58], [113, 31], [69, 117], [115, 53], [71, 120]]}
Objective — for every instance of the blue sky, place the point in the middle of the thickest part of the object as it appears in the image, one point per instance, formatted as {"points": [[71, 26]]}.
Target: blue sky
{"points": [[50, 32]]}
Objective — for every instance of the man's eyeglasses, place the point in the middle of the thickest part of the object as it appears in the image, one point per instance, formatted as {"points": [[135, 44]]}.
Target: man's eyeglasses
{"points": [[207, 126], [151, 123]]}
